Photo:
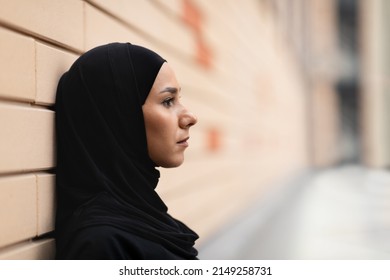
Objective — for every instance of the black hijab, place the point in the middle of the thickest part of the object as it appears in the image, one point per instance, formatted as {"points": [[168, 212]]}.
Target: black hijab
{"points": [[104, 174]]}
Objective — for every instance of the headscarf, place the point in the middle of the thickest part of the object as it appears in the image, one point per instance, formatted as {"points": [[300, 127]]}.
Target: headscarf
{"points": [[104, 175]]}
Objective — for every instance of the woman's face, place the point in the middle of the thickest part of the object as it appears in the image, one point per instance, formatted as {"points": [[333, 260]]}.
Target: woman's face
{"points": [[167, 121]]}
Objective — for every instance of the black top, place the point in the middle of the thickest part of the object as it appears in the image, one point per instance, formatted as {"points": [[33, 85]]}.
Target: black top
{"points": [[107, 207], [110, 243]]}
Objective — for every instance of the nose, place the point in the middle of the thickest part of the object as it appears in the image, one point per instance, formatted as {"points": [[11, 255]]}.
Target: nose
{"points": [[187, 119]]}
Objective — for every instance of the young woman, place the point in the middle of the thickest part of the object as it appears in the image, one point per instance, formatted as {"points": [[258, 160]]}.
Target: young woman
{"points": [[118, 117]]}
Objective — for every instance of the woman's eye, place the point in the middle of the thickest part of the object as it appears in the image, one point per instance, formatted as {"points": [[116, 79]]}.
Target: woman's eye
{"points": [[168, 102]]}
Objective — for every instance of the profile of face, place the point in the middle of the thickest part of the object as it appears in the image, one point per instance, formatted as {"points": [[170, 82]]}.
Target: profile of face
{"points": [[167, 121]]}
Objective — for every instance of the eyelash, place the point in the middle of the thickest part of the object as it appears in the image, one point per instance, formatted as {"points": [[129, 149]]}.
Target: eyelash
{"points": [[168, 102]]}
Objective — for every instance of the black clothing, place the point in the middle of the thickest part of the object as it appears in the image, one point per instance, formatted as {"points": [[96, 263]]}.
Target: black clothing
{"points": [[110, 243], [107, 207]]}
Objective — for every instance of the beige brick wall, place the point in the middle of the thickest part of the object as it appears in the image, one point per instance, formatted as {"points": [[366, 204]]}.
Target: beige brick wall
{"points": [[17, 56], [55, 21], [375, 94], [237, 76]]}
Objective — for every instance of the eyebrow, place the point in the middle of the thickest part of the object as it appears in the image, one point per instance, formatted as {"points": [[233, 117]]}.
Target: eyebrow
{"points": [[172, 90]]}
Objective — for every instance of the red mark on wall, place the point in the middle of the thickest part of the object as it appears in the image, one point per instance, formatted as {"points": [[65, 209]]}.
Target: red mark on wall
{"points": [[213, 140], [193, 18]]}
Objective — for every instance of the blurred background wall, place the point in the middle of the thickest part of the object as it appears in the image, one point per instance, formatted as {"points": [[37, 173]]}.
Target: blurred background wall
{"points": [[279, 87]]}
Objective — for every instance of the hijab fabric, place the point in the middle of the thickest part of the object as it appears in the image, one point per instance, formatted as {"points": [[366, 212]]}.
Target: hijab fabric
{"points": [[104, 176]]}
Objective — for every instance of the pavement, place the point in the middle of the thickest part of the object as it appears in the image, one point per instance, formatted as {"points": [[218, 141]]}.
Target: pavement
{"points": [[333, 214]]}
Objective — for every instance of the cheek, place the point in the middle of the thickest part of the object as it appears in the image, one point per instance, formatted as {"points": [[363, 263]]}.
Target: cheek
{"points": [[161, 137], [152, 124], [157, 126], [157, 133]]}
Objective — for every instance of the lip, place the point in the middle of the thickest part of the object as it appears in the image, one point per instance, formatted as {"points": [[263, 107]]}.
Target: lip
{"points": [[183, 142]]}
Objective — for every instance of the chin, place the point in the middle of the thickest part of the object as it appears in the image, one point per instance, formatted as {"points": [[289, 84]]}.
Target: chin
{"points": [[172, 163]]}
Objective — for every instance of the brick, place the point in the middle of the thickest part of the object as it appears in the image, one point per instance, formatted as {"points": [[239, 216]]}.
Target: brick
{"points": [[173, 6], [51, 63], [101, 29], [17, 66], [190, 75], [27, 136], [156, 24], [57, 20], [36, 250], [17, 208], [46, 203]]}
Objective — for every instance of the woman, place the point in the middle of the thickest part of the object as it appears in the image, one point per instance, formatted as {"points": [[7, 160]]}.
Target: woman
{"points": [[118, 117]]}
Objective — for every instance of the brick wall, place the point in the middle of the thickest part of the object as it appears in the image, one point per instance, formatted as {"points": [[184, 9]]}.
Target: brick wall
{"points": [[237, 76]]}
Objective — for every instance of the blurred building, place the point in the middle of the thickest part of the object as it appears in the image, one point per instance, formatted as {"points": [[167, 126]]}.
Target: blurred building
{"points": [[373, 43], [279, 87], [342, 48]]}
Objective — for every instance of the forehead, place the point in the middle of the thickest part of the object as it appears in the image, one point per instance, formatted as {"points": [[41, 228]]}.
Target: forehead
{"points": [[166, 77]]}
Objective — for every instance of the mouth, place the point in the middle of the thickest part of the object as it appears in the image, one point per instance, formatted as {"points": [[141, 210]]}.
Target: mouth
{"points": [[183, 142]]}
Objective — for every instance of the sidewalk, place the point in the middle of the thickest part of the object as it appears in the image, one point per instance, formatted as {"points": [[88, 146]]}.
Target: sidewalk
{"points": [[340, 213]]}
